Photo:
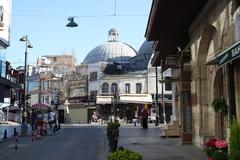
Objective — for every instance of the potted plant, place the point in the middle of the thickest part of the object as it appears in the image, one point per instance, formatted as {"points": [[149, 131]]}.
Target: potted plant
{"points": [[220, 105], [210, 148], [112, 126], [112, 135], [234, 141], [123, 153], [221, 152], [217, 149]]}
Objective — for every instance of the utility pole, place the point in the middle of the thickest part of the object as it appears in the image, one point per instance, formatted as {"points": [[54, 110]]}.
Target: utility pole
{"points": [[156, 99]]}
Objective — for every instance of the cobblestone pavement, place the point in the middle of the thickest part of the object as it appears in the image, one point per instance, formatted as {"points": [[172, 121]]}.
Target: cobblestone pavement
{"points": [[148, 142]]}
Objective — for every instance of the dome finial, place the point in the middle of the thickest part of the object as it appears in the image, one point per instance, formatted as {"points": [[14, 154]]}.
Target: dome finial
{"points": [[113, 35]]}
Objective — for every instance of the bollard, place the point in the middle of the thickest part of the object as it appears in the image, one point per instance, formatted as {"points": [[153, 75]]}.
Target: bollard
{"points": [[32, 136], [5, 134], [14, 131], [44, 128], [16, 141]]}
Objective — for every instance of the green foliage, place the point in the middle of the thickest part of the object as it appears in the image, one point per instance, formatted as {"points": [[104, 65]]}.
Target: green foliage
{"points": [[113, 125], [210, 151], [220, 155], [234, 141], [125, 154], [220, 105]]}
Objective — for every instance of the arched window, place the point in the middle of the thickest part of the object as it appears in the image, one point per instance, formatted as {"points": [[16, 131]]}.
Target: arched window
{"points": [[105, 88], [114, 88]]}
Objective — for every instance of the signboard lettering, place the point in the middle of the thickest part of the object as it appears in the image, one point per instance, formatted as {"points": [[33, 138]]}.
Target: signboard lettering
{"points": [[230, 54]]}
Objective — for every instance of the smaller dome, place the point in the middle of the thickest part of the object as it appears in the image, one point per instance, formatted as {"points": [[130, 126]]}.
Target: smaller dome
{"points": [[146, 48]]}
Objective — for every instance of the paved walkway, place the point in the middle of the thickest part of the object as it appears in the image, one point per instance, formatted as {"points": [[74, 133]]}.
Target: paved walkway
{"points": [[148, 142]]}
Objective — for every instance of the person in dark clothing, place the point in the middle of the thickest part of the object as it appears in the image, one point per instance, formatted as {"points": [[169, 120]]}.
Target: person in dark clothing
{"points": [[33, 119], [145, 118]]}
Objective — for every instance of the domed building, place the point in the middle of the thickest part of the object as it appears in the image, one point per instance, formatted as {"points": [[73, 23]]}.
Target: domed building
{"points": [[112, 51], [120, 80]]}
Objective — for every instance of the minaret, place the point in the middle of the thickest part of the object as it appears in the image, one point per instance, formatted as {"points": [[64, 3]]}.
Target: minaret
{"points": [[113, 35]]}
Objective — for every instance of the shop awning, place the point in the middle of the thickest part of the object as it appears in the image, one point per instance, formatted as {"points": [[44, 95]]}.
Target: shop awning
{"points": [[136, 98], [41, 106], [126, 98], [104, 99]]}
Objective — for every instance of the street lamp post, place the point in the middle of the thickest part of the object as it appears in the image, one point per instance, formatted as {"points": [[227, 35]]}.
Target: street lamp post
{"points": [[24, 114]]}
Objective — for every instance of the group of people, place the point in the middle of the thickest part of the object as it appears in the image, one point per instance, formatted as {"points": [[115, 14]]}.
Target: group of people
{"points": [[143, 117], [38, 118], [96, 118]]}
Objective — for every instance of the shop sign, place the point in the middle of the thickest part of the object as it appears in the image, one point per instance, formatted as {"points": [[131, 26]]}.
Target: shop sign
{"points": [[230, 54]]}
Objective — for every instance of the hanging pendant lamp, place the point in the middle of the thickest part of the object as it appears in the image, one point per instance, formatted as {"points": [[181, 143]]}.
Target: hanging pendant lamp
{"points": [[71, 23]]}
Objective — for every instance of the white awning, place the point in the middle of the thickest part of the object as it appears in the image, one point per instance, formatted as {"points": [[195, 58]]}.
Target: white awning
{"points": [[104, 99], [126, 98], [136, 98]]}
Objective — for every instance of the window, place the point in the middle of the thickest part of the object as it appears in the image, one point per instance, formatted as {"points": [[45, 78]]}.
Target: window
{"points": [[45, 85], [168, 84], [93, 76], [114, 88], [46, 99], [127, 88], [3, 69], [138, 88], [105, 88], [93, 95], [32, 85], [168, 96]]}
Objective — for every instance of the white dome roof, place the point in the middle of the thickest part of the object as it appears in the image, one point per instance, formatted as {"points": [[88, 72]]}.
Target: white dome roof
{"points": [[113, 50]]}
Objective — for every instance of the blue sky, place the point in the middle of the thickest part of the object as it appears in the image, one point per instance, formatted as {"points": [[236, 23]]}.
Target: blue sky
{"points": [[44, 22]]}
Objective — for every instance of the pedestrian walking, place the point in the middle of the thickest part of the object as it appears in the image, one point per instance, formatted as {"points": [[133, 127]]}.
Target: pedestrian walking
{"points": [[50, 118], [144, 115]]}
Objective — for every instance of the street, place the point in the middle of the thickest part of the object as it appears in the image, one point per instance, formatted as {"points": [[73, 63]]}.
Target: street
{"points": [[85, 142], [88, 142]]}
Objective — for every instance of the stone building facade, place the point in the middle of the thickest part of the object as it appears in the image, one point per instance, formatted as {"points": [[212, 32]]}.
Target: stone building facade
{"points": [[203, 40], [211, 35]]}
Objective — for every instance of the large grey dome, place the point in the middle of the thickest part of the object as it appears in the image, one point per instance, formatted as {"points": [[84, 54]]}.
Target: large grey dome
{"points": [[146, 48], [113, 50]]}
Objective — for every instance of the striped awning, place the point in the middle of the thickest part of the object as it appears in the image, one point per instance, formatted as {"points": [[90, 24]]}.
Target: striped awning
{"points": [[41, 106]]}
